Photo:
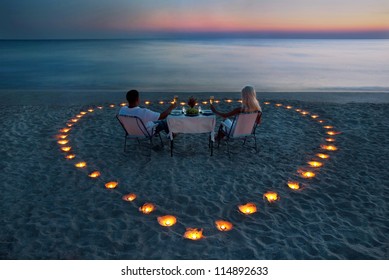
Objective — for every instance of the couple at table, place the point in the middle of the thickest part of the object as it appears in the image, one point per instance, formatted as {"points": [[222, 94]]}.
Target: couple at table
{"points": [[150, 118]]}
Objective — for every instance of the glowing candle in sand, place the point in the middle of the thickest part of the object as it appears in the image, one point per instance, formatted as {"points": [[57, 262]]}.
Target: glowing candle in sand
{"points": [[320, 121], [94, 174], [298, 110], [161, 102], [228, 100], [266, 102], [66, 148], [193, 233], [248, 208], [293, 185], [80, 164], [304, 113], [330, 139], [90, 110], [79, 116], [239, 101], [328, 126], [63, 142], [83, 113], [271, 197], [99, 107], [123, 104], [147, 208], [111, 185], [223, 225], [112, 106], [65, 130], [182, 103], [278, 104], [129, 197], [306, 174], [323, 156], [205, 102], [70, 156], [315, 164], [332, 133], [217, 101], [314, 116], [289, 107], [147, 102], [167, 221], [329, 147], [69, 124]]}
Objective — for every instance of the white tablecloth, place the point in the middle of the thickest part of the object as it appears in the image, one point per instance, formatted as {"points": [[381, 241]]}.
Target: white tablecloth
{"points": [[198, 124]]}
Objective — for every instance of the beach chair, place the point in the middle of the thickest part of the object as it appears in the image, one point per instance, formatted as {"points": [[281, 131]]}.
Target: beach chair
{"points": [[242, 127], [135, 129]]}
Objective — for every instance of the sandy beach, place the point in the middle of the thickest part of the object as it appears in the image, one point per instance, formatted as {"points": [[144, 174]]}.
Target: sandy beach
{"points": [[51, 209]]}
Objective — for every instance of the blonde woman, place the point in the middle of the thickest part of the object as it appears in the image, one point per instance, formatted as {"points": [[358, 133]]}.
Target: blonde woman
{"points": [[249, 104]]}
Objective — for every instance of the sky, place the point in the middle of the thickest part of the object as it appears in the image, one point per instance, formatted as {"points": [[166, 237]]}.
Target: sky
{"points": [[101, 19]]}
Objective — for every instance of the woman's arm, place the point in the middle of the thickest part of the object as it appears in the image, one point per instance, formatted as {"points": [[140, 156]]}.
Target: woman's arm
{"points": [[226, 115]]}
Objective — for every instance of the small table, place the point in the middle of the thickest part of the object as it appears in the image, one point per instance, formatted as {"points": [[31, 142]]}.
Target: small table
{"points": [[192, 124]]}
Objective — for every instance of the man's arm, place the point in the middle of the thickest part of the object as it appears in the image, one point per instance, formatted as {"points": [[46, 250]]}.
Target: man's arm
{"points": [[166, 113]]}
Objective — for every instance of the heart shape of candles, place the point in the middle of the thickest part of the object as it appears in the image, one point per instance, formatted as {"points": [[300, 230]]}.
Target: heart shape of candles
{"points": [[306, 173]]}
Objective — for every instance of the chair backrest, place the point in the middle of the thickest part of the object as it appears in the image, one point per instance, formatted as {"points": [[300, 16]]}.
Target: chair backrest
{"points": [[133, 126], [244, 124]]}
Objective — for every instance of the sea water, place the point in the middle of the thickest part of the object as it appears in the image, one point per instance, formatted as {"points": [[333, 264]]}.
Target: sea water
{"points": [[195, 65]]}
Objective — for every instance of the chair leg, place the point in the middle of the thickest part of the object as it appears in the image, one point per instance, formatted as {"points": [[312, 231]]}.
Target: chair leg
{"points": [[244, 142], [228, 149], [160, 138]]}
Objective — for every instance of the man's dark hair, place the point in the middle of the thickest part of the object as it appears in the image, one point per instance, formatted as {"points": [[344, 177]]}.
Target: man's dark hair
{"points": [[132, 96]]}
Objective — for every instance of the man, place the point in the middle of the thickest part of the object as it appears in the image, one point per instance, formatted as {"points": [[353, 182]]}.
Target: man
{"points": [[148, 117]]}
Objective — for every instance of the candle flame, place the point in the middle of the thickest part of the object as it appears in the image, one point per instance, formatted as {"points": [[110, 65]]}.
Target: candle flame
{"points": [[271, 196], [148, 102], [193, 233], [204, 102], [315, 163], [223, 225], [83, 113], [314, 116], [330, 139], [129, 197], [79, 116], [266, 103], [332, 132], [167, 221], [94, 174], [147, 208], [278, 104], [293, 185], [112, 106], [65, 130], [328, 126], [111, 185], [306, 174], [63, 142], [90, 110], [161, 102], [100, 107], [248, 208], [320, 121], [66, 148], [329, 147], [69, 124], [289, 107], [304, 113], [228, 100], [123, 104], [80, 164], [71, 156], [323, 156]]}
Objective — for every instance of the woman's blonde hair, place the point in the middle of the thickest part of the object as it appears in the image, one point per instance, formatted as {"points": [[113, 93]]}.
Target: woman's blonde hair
{"points": [[249, 100]]}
